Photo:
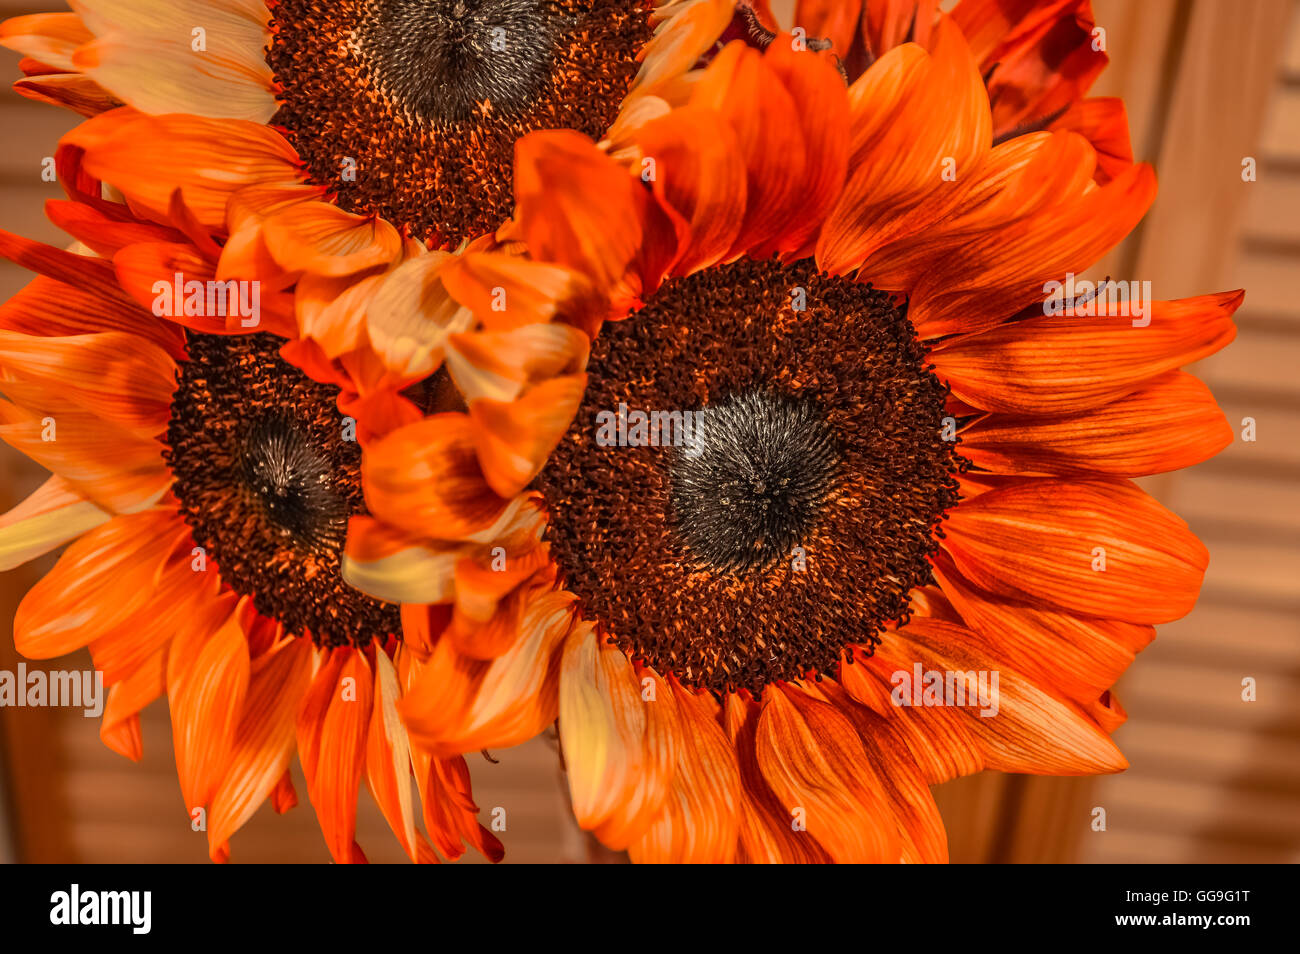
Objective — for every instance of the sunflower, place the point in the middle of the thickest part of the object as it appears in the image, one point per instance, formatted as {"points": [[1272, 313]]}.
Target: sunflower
{"points": [[203, 486], [335, 129], [908, 477]]}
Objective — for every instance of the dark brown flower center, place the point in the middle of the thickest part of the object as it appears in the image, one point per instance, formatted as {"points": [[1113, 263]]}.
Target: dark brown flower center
{"points": [[267, 474], [410, 109], [756, 476]]}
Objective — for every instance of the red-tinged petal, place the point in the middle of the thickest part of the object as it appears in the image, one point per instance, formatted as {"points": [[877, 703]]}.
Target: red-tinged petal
{"points": [[1057, 365], [122, 378], [899, 152], [1104, 123], [331, 728], [48, 307], [1107, 712], [769, 139], [1081, 656], [1014, 181], [1027, 728], [1040, 56], [1048, 541], [149, 157], [263, 745], [769, 834], [148, 272], [1014, 264], [85, 273], [283, 796], [102, 233], [1172, 423], [823, 114], [699, 822], [699, 173], [814, 762], [833, 20], [70, 90], [119, 729], [450, 814]]}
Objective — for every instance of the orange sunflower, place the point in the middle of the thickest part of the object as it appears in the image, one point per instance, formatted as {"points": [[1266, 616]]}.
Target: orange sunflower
{"points": [[835, 506], [334, 129], [203, 485]]}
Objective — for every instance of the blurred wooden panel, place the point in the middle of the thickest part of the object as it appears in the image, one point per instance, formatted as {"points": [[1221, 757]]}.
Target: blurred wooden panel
{"points": [[1215, 778]]}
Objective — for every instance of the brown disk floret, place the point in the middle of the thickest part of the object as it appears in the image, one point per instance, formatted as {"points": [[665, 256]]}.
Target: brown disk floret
{"points": [[801, 511], [410, 109], [267, 477]]}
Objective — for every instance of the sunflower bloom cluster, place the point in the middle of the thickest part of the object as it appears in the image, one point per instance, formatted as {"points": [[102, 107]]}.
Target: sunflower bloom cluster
{"points": [[674, 376]]}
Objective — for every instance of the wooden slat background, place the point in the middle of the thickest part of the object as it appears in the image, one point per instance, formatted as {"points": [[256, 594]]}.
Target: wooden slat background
{"points": [[1212, 778]]}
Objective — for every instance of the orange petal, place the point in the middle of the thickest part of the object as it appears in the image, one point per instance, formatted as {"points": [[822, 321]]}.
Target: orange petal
{"points": [[388, 757], [207, 703], [575, 206], [321, 239], [426, 478], [1173, 422], [499, 365], [1054, 365], [815, 763], [1081, 656], [119, 471], [770, 140], [100, 581], [1045, 540], [332, 727], [263, 745], [1030, 728], [699, 822], [149, 157], [1009, 267], [69, 90], [514, 438], [51, 516], [51, 38], [456, 704], [120, 377], [768, 832], [617, 759], [119, 729]]}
